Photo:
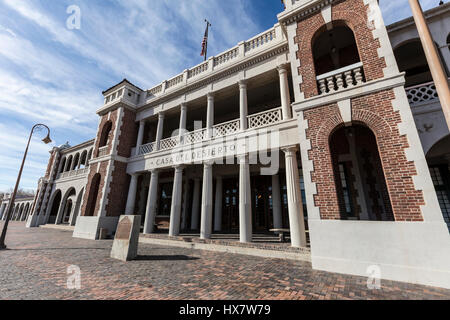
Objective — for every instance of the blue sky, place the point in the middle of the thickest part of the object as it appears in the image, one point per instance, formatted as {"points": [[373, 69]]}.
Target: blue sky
{"points": [[54, 75]]}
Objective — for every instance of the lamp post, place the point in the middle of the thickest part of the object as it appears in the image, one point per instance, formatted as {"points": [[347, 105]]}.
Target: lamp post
{"points": [[46, 140]]}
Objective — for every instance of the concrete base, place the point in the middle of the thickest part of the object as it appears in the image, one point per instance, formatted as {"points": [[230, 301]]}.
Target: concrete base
{"points": [[125, 246], [413, 252], [89, 227]]}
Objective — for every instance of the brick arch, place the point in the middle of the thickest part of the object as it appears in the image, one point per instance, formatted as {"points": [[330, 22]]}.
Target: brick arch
{"points": [[351, 13]]}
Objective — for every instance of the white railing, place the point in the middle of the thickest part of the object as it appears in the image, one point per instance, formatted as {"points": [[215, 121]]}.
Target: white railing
{"points": [[258, 120], [169, 143], [226, 128], [226, 57], [260, 40], [73, 173], [336, 80], [422, 93], [264, 118], [194, 136], [103, 151], [114, 96], [198, 70], [147, 148], [154, 91]]}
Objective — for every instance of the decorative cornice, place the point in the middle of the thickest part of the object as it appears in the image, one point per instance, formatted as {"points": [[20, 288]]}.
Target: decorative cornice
{"points": [[302, 13]]}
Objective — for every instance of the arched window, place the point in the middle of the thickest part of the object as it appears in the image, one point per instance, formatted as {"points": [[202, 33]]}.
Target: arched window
{"points": [[359, 177], [104, 137], [334, 49], [93, 195], [411, 59], [54, 207], [75, 161], [63, 165], [69, 164], [83, 161]]}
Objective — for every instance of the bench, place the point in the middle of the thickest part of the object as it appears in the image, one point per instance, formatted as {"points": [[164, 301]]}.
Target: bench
{"points": [[281, 233]]}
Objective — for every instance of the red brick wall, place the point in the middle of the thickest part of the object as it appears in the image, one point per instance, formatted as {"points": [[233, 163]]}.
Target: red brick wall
{"points": [[352, 13], [376, 112]]}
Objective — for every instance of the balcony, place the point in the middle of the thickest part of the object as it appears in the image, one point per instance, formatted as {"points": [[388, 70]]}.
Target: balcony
{"points": [[254, 121], [345, 77], [422, 93], [73, 173]]}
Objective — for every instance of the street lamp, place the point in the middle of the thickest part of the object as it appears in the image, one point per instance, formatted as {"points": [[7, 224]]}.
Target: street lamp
{"points": [[46, 140]]}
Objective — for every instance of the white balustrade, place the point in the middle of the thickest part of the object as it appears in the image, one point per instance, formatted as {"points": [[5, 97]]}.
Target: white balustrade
{"points": [[198, 70], [226, 57], [147, 148], [194, 136], [422, 93], [174, 81], [223, 129], [154, 91], [169, 143], [226, 128], [260, 40], [103, 151], [339, 79], [265, 118], [73, 173]]}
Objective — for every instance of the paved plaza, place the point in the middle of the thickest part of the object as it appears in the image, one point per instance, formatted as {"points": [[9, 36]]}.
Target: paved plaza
{"points": [[35, 267]]}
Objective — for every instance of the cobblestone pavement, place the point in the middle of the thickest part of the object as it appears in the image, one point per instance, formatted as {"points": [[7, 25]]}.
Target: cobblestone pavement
{"points": [[35, 267]]}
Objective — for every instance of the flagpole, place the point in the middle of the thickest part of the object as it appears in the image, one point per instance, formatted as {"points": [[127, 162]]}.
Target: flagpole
{"points": [[207, 33]]}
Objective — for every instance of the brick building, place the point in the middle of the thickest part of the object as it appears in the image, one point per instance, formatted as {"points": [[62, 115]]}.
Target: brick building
{"points": [[306, 126]]}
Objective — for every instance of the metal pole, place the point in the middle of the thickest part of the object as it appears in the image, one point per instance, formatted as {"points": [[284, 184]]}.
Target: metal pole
{"points": [[207, 38], [13, 196], [437, 72]]}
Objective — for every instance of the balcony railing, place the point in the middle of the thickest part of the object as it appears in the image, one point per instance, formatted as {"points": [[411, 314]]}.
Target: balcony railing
{"points": [[421, 93], [223, 129], [336, 80], [73, 173], [103, 151]]}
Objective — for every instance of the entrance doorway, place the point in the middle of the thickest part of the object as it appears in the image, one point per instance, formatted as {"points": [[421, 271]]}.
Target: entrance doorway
{"points": [[230, 207], [262, 203]]}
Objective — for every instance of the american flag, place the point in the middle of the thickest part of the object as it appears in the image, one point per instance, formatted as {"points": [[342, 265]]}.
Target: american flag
{"points": [[205, 41]]}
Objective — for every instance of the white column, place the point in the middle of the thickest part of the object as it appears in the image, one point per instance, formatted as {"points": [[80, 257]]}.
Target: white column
{"points": [[218, 205], [131, 200], [245, 202], [243, 104], [276, 202], [284, 92], [159, 131], [183, 118], [210, 115], [140, 137], [207, 202], [185, 205], [175, 212], [295, 206], [195, 205], [150, 213]]}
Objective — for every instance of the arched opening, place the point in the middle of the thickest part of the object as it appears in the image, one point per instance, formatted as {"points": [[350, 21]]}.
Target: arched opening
{"points": [[412, 60], [93, 195], [438, 159], [83, 160], [104, 137], [334, 49], [54, 207], [69, 164], [68, 205], [19, 216], [358, 174], [25, 215], [75, 161], [63, 165]]}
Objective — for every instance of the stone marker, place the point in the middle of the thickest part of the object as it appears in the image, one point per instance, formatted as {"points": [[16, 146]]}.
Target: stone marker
{"points": [[125, 244]]}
